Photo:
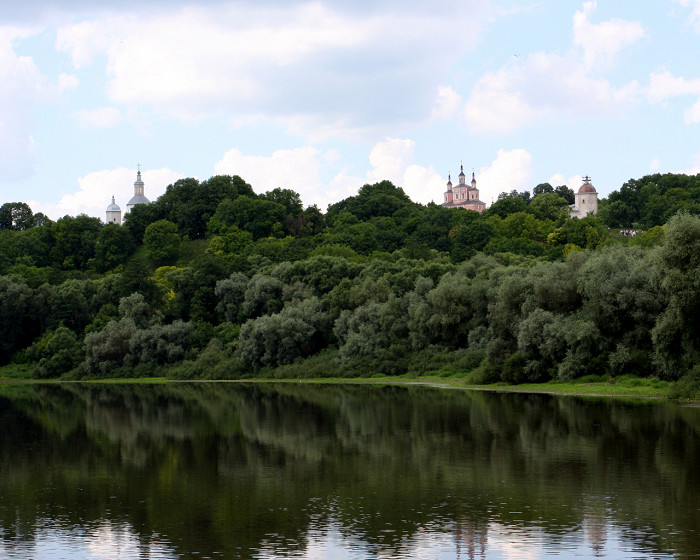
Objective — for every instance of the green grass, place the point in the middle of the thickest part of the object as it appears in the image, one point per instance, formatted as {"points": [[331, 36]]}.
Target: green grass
{"points": [[624, 386], [631, 387], [16, 371]]}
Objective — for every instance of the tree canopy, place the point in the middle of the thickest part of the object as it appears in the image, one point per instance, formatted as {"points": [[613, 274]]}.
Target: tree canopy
{"points": [[377, 284]]}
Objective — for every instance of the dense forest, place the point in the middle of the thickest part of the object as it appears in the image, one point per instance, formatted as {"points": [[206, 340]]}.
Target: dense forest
{"points": [[215, 281]]}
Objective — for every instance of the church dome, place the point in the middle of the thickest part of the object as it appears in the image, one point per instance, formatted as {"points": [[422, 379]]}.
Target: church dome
{"points": [[587, 187], [138, 199], [113, 207]]}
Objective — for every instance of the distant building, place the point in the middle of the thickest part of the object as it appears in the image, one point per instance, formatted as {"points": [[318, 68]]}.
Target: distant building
{"points": [[585, 200], [463, 195], [138, 197], [114, 213]]}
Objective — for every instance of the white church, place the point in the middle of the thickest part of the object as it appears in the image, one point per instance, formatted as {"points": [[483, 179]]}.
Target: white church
{"points": [[114, 213], [585, 200]]}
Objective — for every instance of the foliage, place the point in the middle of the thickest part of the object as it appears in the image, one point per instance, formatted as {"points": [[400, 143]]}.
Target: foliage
{"points": [[651, 201], [114, 245], [162, 242], [212, 273], [16, 216], [296, 331]]}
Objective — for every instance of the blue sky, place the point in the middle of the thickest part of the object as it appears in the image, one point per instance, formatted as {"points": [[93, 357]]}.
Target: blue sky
{"points": [[325, 96]]}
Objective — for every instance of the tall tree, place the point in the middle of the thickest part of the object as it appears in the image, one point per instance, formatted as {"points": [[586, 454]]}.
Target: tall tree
{"points": [[16, 215], [162, 242]]}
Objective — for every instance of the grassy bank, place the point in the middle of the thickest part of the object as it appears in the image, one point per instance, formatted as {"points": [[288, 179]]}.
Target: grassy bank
{"points": [[625, 386]]}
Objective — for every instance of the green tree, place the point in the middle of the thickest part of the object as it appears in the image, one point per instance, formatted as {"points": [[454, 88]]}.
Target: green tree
{"points": [[61, 351], [114, 245], [75, 239], [191, 204], [231, 241], [290, 200], [260, 217], [135, 308], [566, 193], [231, 294], [162, 242], [676, 335], [296, 331], [71, 307], [160, 344], [263, 296], [542, 188], [548, 206], [106, 350], [376, 200], [141, 216], [506, 206], [472, 238], [16, 216], [14, 304]]}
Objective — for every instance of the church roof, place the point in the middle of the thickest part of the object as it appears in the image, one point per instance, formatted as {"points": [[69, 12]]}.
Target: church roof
{"points": [[587, 187], [113, 207], [138, 199]]}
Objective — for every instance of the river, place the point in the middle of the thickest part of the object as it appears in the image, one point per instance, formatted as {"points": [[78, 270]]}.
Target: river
{"points": [[271, 471]]}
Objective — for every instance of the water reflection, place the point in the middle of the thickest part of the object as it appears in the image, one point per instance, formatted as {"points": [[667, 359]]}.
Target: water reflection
{"points": [[258, 471]]}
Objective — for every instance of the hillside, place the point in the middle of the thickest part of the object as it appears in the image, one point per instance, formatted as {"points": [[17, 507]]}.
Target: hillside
{"points": [[215, 281]]}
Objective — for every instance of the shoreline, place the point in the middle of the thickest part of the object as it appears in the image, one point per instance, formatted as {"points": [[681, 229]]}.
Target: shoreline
{"points": [[633, 389]]}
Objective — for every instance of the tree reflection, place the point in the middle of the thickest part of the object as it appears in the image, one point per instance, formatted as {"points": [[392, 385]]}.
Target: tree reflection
{"points": [[236, 469]]}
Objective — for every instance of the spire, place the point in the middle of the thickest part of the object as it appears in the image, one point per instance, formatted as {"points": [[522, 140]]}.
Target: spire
{"points": [[138, 197], [138, 184]]}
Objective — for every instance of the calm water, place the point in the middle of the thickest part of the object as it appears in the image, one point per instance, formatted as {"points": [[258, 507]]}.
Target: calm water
{"points": [[261, 471]]}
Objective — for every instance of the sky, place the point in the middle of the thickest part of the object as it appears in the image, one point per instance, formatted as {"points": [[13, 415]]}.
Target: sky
{"points": [[325, 96]]}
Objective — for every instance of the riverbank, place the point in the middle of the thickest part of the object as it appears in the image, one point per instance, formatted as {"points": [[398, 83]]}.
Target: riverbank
{"points": [[626, 386]]}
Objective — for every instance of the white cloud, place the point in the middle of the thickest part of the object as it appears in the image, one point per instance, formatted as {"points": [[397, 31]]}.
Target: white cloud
{"points": [[95, 191], [512, 169], [694, 5], [574, 182], [695, 166], [21, 85], [390, 158], [447, 104], [551, 83], [298, 169], [663, 86], [86, 39], [66, 82], [692, 114], [303, 169], [393, 160], [423, 184], [309, 65], [544, 84], [602, 41], [496, 103], [104, 117]]}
